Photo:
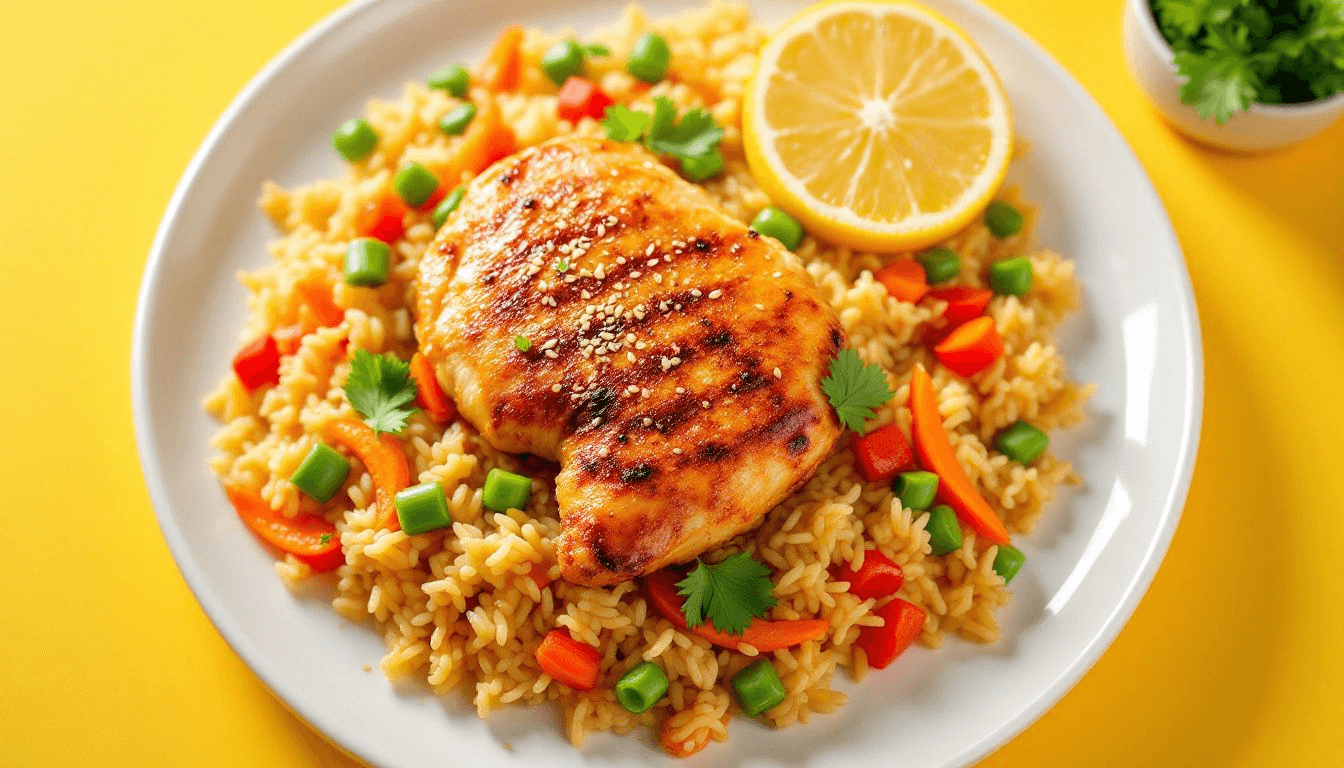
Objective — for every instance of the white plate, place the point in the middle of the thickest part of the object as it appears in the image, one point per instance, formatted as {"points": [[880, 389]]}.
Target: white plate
{"points": [[1086, 568]]}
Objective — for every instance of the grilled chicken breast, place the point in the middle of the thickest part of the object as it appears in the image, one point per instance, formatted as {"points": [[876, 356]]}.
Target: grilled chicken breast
{"points": [[586, 305]]}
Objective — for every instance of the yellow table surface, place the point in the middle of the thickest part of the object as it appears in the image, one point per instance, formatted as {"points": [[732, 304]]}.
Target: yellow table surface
{"points": [[1235, 657]]}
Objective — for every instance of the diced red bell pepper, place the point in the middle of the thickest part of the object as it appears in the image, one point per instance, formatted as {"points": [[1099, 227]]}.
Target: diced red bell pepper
{"points": [[963, 303], [257, 364], [971, 348], [878, 577], [882, 454], [904, 621], [580, 98]]}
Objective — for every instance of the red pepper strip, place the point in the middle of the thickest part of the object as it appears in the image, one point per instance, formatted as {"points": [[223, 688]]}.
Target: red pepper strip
{"points": [[878, 577], [257, 364], [764, 636], [882, 454], [971, 348], [580, 98], [428, 394], [573, 663], [962, 303], [385, 459], [504, 62], [308, 537], [882, 645], [904, 280], [935, 454], [383, 218]]}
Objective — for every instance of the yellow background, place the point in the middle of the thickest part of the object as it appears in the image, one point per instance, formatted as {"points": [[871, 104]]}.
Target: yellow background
{"points": [[1236, 656]]}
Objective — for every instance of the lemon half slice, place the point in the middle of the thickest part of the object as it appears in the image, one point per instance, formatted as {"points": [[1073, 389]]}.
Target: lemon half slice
{"points": [[879, 124]]}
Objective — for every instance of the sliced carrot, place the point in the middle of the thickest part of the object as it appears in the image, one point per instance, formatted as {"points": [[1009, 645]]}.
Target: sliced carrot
{"points": [[487, 139], [317, 298], [935, 453], [764, 636], [504, 63], [308, 537], [686, 747], [904, 280], [385, 459], [903, 623], [971, 348], [963, 303], [428, 394], [882, 454], [573, 663], [384, 218], [538, 573]]}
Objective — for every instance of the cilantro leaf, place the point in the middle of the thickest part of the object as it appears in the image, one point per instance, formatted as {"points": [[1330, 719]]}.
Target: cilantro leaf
{"points": [[855, 389], [730, 594], [380, 387], [1216, 85], [695, 135], [625, 124]]}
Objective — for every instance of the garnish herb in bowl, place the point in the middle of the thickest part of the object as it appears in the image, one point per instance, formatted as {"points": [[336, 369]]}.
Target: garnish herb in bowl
{"points": [[1235, 52], [855, 389], [693, 140], [730, 594]]}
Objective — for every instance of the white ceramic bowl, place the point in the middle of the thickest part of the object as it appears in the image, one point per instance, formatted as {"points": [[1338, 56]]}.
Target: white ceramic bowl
{"points": [[1262, 128]]}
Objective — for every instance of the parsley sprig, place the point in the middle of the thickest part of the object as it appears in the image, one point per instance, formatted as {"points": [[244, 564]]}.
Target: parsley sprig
{"points": [[380, 387], [692, 140], [730, 594], [855, 389], [1235, 52]]}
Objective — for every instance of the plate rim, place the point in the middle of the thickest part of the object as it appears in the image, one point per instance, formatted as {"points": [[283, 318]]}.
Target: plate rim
{"points": [[355, 743]]}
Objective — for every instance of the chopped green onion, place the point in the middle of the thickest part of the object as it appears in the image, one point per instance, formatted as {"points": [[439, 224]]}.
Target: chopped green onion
{"points": [[321, 473], [458, 118], [415, 184], [940, 264], [452, 78], [368, 262], [504, 491], [355, 139], [703, 167], [522, 343], [1003, 219], [561, 265], [562, 61], [422, 508], [446, 206], [641, 687], [649, 58], [944, 530], [916, 490], [775, 223], [758, 687], [1008, 561], [596, 50], [1022, 442], [1011, 277]]}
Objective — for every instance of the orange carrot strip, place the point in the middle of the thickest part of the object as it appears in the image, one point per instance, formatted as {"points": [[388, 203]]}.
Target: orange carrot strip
{"points": [[487, 139], [687, 747], [318, 299], [764, 636], [573, 663], [971, 348], [935, 453], [428, 394], [503, 64], [385, 459], [310, 538], [904, 280]]}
